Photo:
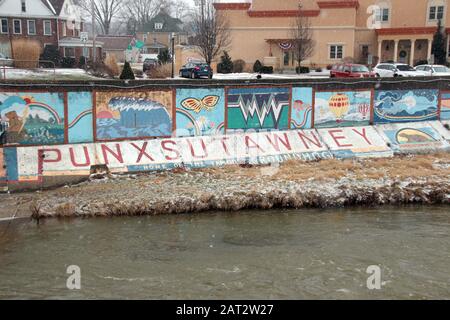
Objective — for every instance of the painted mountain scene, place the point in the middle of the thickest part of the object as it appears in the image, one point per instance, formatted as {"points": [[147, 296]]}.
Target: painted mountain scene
{"points": [[123, 115]]}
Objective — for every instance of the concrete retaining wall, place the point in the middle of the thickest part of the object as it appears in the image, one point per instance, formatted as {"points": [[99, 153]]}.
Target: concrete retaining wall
{"points": [[66, 129]]}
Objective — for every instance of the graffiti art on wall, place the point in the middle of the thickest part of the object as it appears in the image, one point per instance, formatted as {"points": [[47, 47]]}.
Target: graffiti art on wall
{"points": [[80, 117], [258, 109], [200, 112], [406, 106], [32, 118], [342, 109], [302, 108], [122, 115], [445, 106]]}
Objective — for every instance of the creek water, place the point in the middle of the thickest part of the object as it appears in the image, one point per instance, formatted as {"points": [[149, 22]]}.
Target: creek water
{"points": [[301, 254]]}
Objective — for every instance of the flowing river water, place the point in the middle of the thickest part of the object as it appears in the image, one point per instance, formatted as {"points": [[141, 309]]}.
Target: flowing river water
{"points": [[301, 254]]}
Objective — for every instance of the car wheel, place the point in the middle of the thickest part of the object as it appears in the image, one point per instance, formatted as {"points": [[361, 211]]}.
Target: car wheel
{"points": [[210, 76], [378, 75]]}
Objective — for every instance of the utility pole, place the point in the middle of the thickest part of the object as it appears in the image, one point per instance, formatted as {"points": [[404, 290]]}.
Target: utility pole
{"points": [[94, 49]]}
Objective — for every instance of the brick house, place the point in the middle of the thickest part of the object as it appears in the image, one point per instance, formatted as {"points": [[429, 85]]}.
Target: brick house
{"points": [[49, 22]]}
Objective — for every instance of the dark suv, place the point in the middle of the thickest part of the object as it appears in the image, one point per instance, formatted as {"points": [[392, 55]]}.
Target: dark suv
{"points": [[196, 70]]}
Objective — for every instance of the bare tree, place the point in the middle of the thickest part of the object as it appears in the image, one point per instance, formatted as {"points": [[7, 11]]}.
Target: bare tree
{"points": [[105, 11], [302, 38], [138, 13], [211, 29]]}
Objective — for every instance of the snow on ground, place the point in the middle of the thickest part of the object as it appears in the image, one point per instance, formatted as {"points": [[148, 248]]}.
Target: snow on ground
{"points": [[45, 74], [248, 76]]}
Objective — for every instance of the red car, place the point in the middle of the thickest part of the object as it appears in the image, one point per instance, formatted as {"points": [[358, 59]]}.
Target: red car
{"points": [[349, 70]]}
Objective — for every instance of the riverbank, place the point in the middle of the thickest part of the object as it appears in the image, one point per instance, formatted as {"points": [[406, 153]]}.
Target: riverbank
{"points": [[421, 179]]}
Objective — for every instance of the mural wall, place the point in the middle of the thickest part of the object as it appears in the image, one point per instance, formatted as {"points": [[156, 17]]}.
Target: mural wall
{"points": [[125, 114], [342, 108], [302, 108], [30, 118], [413, 137], [406, 106], [445, 106], [258, 109], [2, 166], [80, 106], [200, 112]]}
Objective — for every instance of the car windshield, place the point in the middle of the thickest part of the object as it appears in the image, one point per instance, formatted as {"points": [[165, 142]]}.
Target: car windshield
{"points": [[404, 67], [203, 65], [360, 69], [441, 69]]}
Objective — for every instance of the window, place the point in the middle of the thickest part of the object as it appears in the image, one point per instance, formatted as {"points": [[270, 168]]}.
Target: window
{"points": [[31, 27], [286, 58], [4, 26], [24, 6], [382, 15], [436, 13], [17, 26], [336, 52], [47, 28], [64, 29], [69, 52], [158, 26]]}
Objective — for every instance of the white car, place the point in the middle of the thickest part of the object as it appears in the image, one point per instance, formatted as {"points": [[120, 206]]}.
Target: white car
{"points": [[434, 70], [397, 70]]}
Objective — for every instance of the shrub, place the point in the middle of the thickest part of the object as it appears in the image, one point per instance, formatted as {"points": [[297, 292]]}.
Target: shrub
{"points": [[28, 50], [266, 69], [111, 63], [127, 72], [318, 69], [161, 72], [329, 67], [82, 62], [164, 56], [51, 53], [299, 70], [257, 66], [238, 66], [226, 64], [420, 62], [100, 70], [67, 62]]}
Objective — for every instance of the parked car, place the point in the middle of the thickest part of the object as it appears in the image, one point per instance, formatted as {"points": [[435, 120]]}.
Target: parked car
{"points": [[196, 70], [396, 70], [5, 61], [434, 70], [149, 63], [349, 70]]}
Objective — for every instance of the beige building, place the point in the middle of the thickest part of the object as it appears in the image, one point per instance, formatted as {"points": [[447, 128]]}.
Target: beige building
{"points": [[393, 30]]}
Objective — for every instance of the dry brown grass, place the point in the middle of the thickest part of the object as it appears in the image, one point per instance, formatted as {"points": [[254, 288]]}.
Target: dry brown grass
{"points": [[111, 63], [26, 53], [161, 72]]}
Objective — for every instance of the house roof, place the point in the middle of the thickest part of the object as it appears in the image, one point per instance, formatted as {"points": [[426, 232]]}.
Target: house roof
{"points": [[169, 24], [115, 42], [54, 5]]}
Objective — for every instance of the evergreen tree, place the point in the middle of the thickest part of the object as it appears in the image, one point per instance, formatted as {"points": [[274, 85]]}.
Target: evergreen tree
{"points": [[127, 72], [164, 56], [226, 64], [438, 47], [257, 66]]}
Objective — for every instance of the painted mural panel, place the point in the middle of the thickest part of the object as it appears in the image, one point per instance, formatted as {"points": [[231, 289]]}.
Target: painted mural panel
{"points": [[200, 112], [302, 108], [412, 137], [29, 118], [342, 109], [2, 166], [80, 106], [406, 106], [445, 106], [121, 115], [258, 109]]}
